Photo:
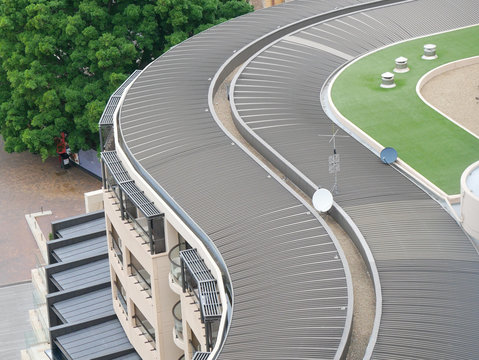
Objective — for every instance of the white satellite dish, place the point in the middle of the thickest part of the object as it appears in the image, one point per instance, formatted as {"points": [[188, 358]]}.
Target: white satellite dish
{"points": [[322, 200]]}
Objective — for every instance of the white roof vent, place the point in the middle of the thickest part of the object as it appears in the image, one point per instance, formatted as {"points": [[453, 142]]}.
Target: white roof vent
{"points": [[387, 80], [401, 65], [429, 52]]}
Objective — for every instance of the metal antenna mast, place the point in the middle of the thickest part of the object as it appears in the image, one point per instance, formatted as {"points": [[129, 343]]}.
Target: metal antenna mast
{"points": [[334, 166]]}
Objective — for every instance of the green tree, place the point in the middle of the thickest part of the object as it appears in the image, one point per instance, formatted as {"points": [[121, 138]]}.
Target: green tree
{"points": [[181, 19], [61, 59]]}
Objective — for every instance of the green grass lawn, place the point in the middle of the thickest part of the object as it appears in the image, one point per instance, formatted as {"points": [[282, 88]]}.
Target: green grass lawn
{"points": [[430, 143]]}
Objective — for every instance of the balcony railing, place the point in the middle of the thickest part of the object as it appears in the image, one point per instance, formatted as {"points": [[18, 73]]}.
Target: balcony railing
{"points": [[147, 330], [106, 120], [200, 355], [198, 280], [133, 214], [143, 278], [175, 263], [178, 320], [121, 297], [115, 240], [135, 207]]}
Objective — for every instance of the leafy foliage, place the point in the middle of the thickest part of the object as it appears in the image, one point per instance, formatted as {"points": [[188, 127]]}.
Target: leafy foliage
{"points": [[61, 59]]}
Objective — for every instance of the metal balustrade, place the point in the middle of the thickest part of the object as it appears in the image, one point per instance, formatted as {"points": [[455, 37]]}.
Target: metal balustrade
{"points": [[200, 355], [135, 207], [147, 329], [178, 320], [107, 141], [116, 245], [175, 263], [141, 275], [121, 296], [198, 280]]}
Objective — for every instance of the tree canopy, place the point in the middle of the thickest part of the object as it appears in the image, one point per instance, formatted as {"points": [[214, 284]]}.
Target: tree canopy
{"points": [[61, 59]]}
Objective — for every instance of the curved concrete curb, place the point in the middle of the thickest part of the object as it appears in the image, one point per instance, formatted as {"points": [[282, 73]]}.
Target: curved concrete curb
{"points": [[441, 70]]}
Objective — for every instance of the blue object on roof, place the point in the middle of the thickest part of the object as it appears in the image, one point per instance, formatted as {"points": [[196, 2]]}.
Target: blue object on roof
{"points": [[389, 155]]}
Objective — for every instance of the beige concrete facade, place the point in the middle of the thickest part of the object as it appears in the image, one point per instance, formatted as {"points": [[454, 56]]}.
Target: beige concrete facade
{"points": [[94, 201], [156, 300]]}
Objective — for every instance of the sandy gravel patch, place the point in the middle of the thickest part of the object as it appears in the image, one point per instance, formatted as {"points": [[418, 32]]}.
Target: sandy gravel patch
{"points": [[364, 297], [456, 94]]}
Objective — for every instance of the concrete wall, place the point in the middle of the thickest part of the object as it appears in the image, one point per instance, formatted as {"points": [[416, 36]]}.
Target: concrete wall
{"points": [[93, 201], [470, 205]]}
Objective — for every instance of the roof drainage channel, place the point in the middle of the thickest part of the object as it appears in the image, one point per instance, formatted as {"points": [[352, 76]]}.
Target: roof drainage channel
{"points": [[273, 246], [419, 249]]}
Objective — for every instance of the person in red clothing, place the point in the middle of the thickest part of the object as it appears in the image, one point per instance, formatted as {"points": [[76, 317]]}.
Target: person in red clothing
{"points": [[63, 151]]}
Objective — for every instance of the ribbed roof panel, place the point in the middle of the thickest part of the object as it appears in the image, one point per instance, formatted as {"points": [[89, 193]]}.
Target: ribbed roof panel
{"points": [[271, 244], [427, 265]]}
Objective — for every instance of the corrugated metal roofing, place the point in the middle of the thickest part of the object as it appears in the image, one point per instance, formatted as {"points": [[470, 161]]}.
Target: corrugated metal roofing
{"points": [[132, 356], [289, 283], [85, 307], [95, 341], [16, 326], [426, 263], [83, 228], [96, 272], [87, 342], [83, 249]]}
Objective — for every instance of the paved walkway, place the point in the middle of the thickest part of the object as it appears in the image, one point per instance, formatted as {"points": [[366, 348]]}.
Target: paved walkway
{"points": [[27, 184]]}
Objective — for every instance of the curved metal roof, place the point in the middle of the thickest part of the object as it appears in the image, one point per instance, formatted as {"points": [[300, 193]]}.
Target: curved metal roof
{"points": [[427, 265], [290, 283]]}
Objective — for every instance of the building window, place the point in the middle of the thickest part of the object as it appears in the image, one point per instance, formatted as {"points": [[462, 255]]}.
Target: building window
{"points": [[116, 244], [147, 330], [141, 275], [121, 294], [195, 345]]}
